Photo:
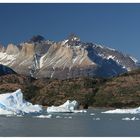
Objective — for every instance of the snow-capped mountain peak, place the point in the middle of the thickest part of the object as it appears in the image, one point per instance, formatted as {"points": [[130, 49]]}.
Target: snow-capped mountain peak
{"points": [[134, 59], [65, 59]]}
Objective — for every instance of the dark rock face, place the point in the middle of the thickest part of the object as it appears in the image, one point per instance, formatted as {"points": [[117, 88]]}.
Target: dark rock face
{"points": [[4, 70], [69, 58], [37, 38]]}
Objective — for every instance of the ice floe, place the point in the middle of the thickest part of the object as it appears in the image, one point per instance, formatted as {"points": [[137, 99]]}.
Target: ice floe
{"points": [[67, 107], [97, 119], [79, 111], [92, 114], [124, 111], [130, 119], [44, 116], [70, 117], [58, 117], [14, 104]]}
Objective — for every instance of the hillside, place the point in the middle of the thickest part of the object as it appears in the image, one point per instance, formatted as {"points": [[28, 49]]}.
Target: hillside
{"points": [[119, 92], [52, 91]]}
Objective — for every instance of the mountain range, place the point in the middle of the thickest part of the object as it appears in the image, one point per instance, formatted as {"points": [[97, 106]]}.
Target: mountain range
{"points": [[70, 58], [50, 72]]}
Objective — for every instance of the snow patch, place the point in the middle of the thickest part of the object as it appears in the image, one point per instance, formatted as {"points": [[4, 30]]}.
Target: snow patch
{"points": [[110, 49], [77, 47], [101, 55], [41, 61], [52, 73], [128, 69], [111, 57], [6, 59], [133, 59], [81, 60], [100, 46], [64, 42], [74, 59]]}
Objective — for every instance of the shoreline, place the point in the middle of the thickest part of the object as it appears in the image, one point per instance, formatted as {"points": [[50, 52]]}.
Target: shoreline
{"points": [[92, 107]]}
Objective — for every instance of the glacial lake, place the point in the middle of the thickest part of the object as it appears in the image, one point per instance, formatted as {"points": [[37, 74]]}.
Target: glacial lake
{"points": [[71, 125]]}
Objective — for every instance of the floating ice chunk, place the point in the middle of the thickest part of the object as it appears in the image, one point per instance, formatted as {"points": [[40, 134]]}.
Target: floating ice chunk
{"points": [[132, 119], [57, 109], [68, 106], [19, 115], [44, 116], [8, 115], [58, 117], [97, 119], [69, 117], [79, 111], [92, 114], [126, 119], [124, 111], [13, 104]]}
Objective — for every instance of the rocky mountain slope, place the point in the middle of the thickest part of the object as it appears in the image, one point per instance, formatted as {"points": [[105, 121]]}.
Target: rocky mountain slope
{"points": [[69, 58], [119, 92]]}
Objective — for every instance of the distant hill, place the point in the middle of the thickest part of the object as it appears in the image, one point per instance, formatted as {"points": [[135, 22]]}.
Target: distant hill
{"points": [[121, 91]]}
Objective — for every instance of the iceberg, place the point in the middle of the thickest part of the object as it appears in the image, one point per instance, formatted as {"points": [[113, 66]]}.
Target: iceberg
{"points": [[124, 111], [67, 107], [14, 104]]}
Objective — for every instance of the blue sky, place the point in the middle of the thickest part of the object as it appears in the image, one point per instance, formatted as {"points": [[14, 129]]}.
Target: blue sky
{"points": [[113, 25]]}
